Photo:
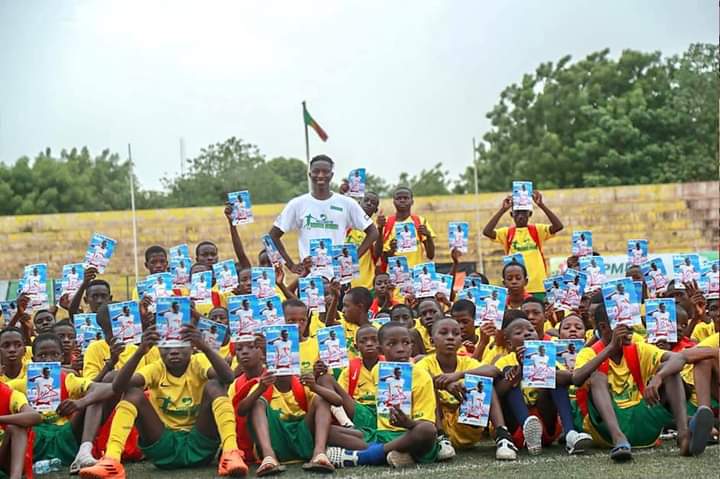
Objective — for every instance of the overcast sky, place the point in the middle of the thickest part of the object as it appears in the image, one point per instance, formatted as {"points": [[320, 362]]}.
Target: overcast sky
{"points": [[397, 85]]}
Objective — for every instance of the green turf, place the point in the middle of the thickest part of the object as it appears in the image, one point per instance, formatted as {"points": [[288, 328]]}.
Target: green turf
{"points": [[554, 462]]}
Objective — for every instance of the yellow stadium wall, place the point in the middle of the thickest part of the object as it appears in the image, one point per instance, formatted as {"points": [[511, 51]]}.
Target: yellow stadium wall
{"points": [[673, 217]]}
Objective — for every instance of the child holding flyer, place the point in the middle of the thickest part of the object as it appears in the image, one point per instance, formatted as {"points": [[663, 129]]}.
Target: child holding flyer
{"points": [[425, 236]]}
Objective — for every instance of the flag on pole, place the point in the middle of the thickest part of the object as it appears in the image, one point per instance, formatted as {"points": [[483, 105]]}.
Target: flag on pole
{"points": [[310, 121]]}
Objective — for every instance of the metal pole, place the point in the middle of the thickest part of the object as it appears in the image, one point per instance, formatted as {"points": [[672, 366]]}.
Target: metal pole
{"points": [[134, 219], [480, 264], [307, 147]]}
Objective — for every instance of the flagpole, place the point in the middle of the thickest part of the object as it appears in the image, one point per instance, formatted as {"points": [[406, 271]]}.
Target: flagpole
{"points": [[134, 219], [480, 264], [307, 145]]}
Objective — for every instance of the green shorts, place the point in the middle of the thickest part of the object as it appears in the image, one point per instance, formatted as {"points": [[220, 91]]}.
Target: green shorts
{"points": [[428, 457], [578, 418], [365, 421], [53, 441], [291, 440], [178, 449], [641, 424]]}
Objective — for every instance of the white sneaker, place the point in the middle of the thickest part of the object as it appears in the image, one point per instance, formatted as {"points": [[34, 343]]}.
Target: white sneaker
{"points": [[532, 430], [505, 450], [342, 457], [81, 461], [577, 442], [399, 459], [447, 451]]}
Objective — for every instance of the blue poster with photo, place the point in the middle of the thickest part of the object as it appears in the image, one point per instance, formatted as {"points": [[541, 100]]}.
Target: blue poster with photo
{"points": [[269, 311], [405, 237], [44, 386], [621, 302], [99, 251], [514, 258], [491, 305], [8, 310], [125, 321], [272, 251], [661, 320], [686, 267], [356, 182], [333, 346], [399, 272], [345, 262], [226, 276], [554, 291], [34, 283], [241, 207], [656, 277], [522, 192], [87, 329], [213, 333], [312, 293], [445, 284], [539, 365], [180, 251], [567, 351], [282, 349], [475, 409], [425, 280], [172, 314], [594, 268], [263, 282], [582, 244], [321, 252], [180, 270], [201, 287], [241, 316], [394, 389], [458, 235], [637, 251], [72, 277], [573, 289], [711, 279]]}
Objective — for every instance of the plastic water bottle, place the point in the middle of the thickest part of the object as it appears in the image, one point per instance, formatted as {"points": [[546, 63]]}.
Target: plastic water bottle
{"points": [[47, 465]]}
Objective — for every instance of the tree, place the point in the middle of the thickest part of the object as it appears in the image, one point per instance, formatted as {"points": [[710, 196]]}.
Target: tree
{"points": [[637, 119], [430, 182]]}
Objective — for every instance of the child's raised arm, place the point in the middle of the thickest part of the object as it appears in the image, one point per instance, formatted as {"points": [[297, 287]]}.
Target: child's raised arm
{"points": [[489, 230], [126, 376], [220, 369], [371, 236], [265, 381], [555, 223], [276, 233], [74, 307], [243, 260], [331, 311], [327, 394], [580, 375]]}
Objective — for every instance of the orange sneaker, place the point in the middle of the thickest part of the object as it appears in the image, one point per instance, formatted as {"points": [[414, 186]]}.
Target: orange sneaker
{"points": [[232, 464], [106, 468]]}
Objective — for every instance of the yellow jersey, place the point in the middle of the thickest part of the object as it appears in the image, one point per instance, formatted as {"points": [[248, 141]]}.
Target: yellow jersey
{"points": [[425, 336], [99, 351], [309, 354], [702, 330], [366, 388], [712, 341], [493, 352], [365, 262], [419, 255], [176, 399], [423, 401], [523, 243], [510, 360], [284, 402], [430, 364]]}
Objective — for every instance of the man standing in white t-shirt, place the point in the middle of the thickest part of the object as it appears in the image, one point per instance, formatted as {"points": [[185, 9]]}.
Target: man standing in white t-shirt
{"points": [[321, 214]]}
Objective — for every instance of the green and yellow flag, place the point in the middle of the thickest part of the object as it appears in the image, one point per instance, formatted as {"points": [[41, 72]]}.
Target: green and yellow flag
{"points": [[310, 121]]}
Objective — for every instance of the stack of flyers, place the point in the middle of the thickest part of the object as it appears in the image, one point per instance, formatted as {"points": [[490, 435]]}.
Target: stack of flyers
{"points": [[44, 386], [180, 251], [554, 292], [180, 270], [594, 268], [399, 273], [458, 233], [637, 251], [405, 237], [321, 250], [661, 320], [171, 316], [312, 293], [425, 280], [241, 316], [475, 409], [269, 310], [241, 207], [514, 258], [522, 192], [272, 251], [345, 262], [226, 276], [567, 351], [263, 282], [201, 287], [394, 389], [539, 364], [574, 283], [73, 276], [491, 305], [34, 284], [655, 275], [87, 329], [582, 243], [356, 182], [445, 284], [333, 346], [8, 310], [213, 333], [621, 302], [471, 294], [282, 349], [99, 252], [712, 279], [686, 267], [125, 321]]}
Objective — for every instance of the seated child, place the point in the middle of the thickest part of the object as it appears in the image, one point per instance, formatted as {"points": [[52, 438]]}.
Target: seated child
{"points": [[72, 357], [635, 390], [515, 279], [429, 311], [463, 311], [185, 416], [12, 353], [16, 419]]}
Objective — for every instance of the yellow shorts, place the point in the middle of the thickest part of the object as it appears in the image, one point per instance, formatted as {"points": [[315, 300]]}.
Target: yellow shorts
{"points": [[462, 436]]}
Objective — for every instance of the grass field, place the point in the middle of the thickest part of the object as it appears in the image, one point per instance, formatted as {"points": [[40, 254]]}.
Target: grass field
{"points": [[554, 462]]}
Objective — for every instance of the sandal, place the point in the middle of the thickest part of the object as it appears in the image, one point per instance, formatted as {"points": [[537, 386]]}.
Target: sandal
{"points": [[269, 467], [319, 463], [621, 452], [701, 425]]}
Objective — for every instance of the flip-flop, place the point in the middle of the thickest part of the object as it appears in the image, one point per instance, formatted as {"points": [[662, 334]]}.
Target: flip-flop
{"points": [[701, 425], [319, 463], [621, 452], [269, 467]]}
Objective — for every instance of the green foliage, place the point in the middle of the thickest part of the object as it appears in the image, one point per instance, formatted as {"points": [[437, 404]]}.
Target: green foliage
{"points": [[430, 182], [600, 121]]}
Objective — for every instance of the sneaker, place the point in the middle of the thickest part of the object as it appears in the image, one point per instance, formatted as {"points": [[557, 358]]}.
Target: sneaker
{"points": [[505, 449], [532, 430], [231, 463], [341, 458], [105, 468], [399, 459], [577, 442], [81, 461], [447, 451]]}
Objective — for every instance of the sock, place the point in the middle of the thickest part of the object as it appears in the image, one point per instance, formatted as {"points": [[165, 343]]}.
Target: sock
{"points": [[562, 404], [341, 416], [374, 455], [85, 449], [502, 433], [122, 424], [225, 421], [516, 401]]}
